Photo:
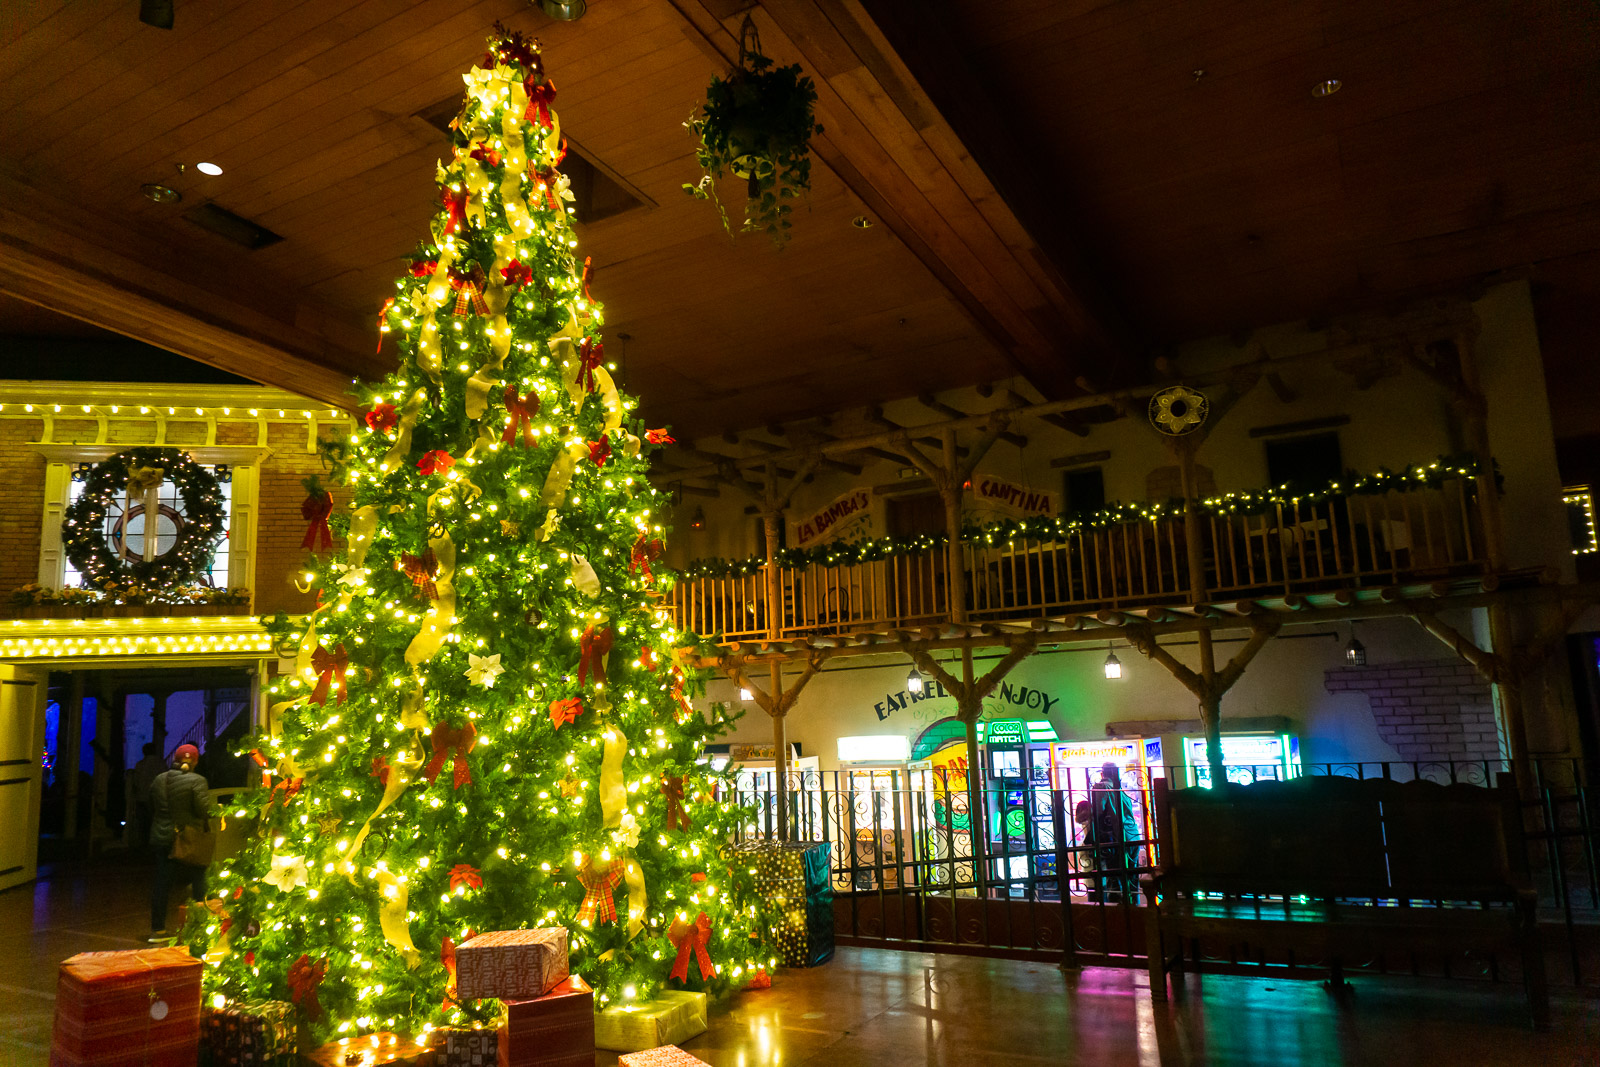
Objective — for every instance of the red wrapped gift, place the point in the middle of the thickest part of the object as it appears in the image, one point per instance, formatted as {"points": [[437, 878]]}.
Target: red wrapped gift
{"points": [[117, 1008], [555, 1030], [665, 1056], [511, 964], [372, 1050]]}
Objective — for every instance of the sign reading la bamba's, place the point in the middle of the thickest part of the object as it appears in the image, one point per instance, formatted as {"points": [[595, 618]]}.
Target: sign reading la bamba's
{"points": [[827, 523]]}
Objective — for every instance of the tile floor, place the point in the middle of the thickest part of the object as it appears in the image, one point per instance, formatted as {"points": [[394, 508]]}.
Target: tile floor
{"points": [[872, 1007]]}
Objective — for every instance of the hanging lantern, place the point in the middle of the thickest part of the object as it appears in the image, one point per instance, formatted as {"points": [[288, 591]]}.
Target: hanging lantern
{"points": [[1113, 666]]}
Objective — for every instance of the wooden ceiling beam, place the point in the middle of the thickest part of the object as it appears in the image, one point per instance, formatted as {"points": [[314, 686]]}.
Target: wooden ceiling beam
{"points": [[887, 141], [222, 313]]}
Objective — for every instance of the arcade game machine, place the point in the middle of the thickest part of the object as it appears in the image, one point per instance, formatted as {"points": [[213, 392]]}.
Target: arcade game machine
{"points": [[1076, 771], [1017, 787], [1246, 758]]}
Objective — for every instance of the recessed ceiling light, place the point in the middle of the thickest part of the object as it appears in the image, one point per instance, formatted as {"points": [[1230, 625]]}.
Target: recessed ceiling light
{"points": [[1326, 87], [208, 168], [861, 222], [160, 193]]}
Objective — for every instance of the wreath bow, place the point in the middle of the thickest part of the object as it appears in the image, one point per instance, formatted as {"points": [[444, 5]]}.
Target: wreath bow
{"points": [[598, 905], [691, 937], [593, 647], [450, 740], [304, 977], [422, 570], [590, 356], [520, 413], [540, 97], [315, 510], [327, 665]]}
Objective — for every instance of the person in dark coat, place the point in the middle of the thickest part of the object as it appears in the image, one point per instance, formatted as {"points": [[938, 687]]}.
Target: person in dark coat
{"points": [[178, 797], [1116, 830]]}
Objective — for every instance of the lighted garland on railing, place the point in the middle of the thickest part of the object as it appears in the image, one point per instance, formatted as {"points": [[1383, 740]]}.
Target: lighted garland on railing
{"points": [[1057, 528]]}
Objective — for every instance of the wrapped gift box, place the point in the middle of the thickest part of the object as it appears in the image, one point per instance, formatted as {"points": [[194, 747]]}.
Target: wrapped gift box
{"points": [[555, 1030], [115, 1008], [249, 1035], [512, 964], [372, 1050], [455, 1047], [794, 877], [665, 1056], [674, 1015]]}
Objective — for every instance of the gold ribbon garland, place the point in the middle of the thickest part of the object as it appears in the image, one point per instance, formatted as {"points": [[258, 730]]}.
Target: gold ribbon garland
{"points": [[394, 895]]}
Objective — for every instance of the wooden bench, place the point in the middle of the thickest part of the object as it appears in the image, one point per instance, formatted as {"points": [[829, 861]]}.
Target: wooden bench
{"points": [[1338, 870]]}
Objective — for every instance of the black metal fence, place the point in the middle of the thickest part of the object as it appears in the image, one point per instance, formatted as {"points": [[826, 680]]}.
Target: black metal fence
{"points": [[1055, 870]]}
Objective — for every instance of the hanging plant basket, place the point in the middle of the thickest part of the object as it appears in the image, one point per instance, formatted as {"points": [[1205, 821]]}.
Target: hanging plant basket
{"points": [[757, 125]]}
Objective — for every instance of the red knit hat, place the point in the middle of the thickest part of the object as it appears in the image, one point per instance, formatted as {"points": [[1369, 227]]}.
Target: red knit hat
{"points": [[186, 754]]}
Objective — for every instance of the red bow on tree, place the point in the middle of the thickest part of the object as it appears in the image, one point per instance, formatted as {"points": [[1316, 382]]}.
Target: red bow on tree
{"points": [[600, 451], [517, 273], [288, 786], [436, 461], [485, 154], [592, 650], [261, 761], [598, 906], [465, 874], [547, 185], [447, 739], [315, 510], [327, 664], [590, 357], [519, 415], [660, 437], [672, 789], [380, 770], [455, 201], [679, 696], [540, 97], [423, 268], [304, 977], [422, 570], [691, 938], [645, 551], [565, 711], [383, 418], [648, 658], [383, 323]]}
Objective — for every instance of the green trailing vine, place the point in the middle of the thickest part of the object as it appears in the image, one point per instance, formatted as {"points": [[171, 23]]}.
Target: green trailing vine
{"points": [[757, 124], [1058, 528]]}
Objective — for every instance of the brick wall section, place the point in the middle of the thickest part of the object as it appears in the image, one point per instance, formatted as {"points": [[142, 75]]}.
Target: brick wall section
{"points": [[279, 527], [1426, 709], [21, 503]]}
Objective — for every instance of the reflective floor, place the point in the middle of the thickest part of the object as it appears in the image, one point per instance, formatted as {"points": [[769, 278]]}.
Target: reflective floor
{"points": [[893, 1008]]}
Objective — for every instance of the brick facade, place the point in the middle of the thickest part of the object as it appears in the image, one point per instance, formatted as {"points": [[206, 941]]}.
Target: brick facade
{"points": [[1426, 709], [21, 502], [279, 527]]}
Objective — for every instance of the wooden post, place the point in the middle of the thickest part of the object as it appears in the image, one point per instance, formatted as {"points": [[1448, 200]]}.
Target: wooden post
{"points": [[780, 757], [1210, 699], [1211, 705], [776, 702], [950, 490]]}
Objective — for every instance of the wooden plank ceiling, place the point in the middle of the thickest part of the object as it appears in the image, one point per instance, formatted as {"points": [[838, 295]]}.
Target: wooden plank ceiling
{"points": [[1041, 174]]}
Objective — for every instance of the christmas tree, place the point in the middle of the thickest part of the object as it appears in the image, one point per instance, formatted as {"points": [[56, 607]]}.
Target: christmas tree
{"points": [[489, 724]]}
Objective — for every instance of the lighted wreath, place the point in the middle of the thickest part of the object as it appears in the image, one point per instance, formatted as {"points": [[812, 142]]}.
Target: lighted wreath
{"points": [[125, 477], [757, 124]]}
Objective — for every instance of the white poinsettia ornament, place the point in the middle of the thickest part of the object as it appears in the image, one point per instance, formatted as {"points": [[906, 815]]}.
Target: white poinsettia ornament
{"points": [[483, 670], [627, 833], [287, 873]]}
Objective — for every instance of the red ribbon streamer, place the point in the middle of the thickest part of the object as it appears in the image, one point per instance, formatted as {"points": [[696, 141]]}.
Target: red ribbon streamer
{"points": [[592, 650], [455, 201], [598, 905], [288, 786], [383, 317], [588, 266], [447, 739], [261, 761], [692, 938], [315, 510], [565, 711], [327, 664], [672, 789], [304, 977], [540, 97], [590, 357], [422, 570], [520, 413]]}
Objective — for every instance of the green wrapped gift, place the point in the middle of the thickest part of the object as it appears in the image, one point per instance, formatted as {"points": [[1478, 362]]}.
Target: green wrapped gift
{"points": [[674, 1015], [793, 876]]}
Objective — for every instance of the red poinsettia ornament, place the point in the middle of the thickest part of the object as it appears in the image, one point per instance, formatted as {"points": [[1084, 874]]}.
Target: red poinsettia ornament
{"points": [[517, 273], [600, 451], [436, 462], [382, 418], [660, 437]]}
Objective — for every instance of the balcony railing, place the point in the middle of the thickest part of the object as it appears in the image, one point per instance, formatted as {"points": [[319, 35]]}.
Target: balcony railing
{"points": [[1361, 540]]}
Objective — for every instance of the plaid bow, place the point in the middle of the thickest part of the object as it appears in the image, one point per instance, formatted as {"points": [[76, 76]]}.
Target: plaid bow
{"points": [[598, 905], [422, 570]]}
